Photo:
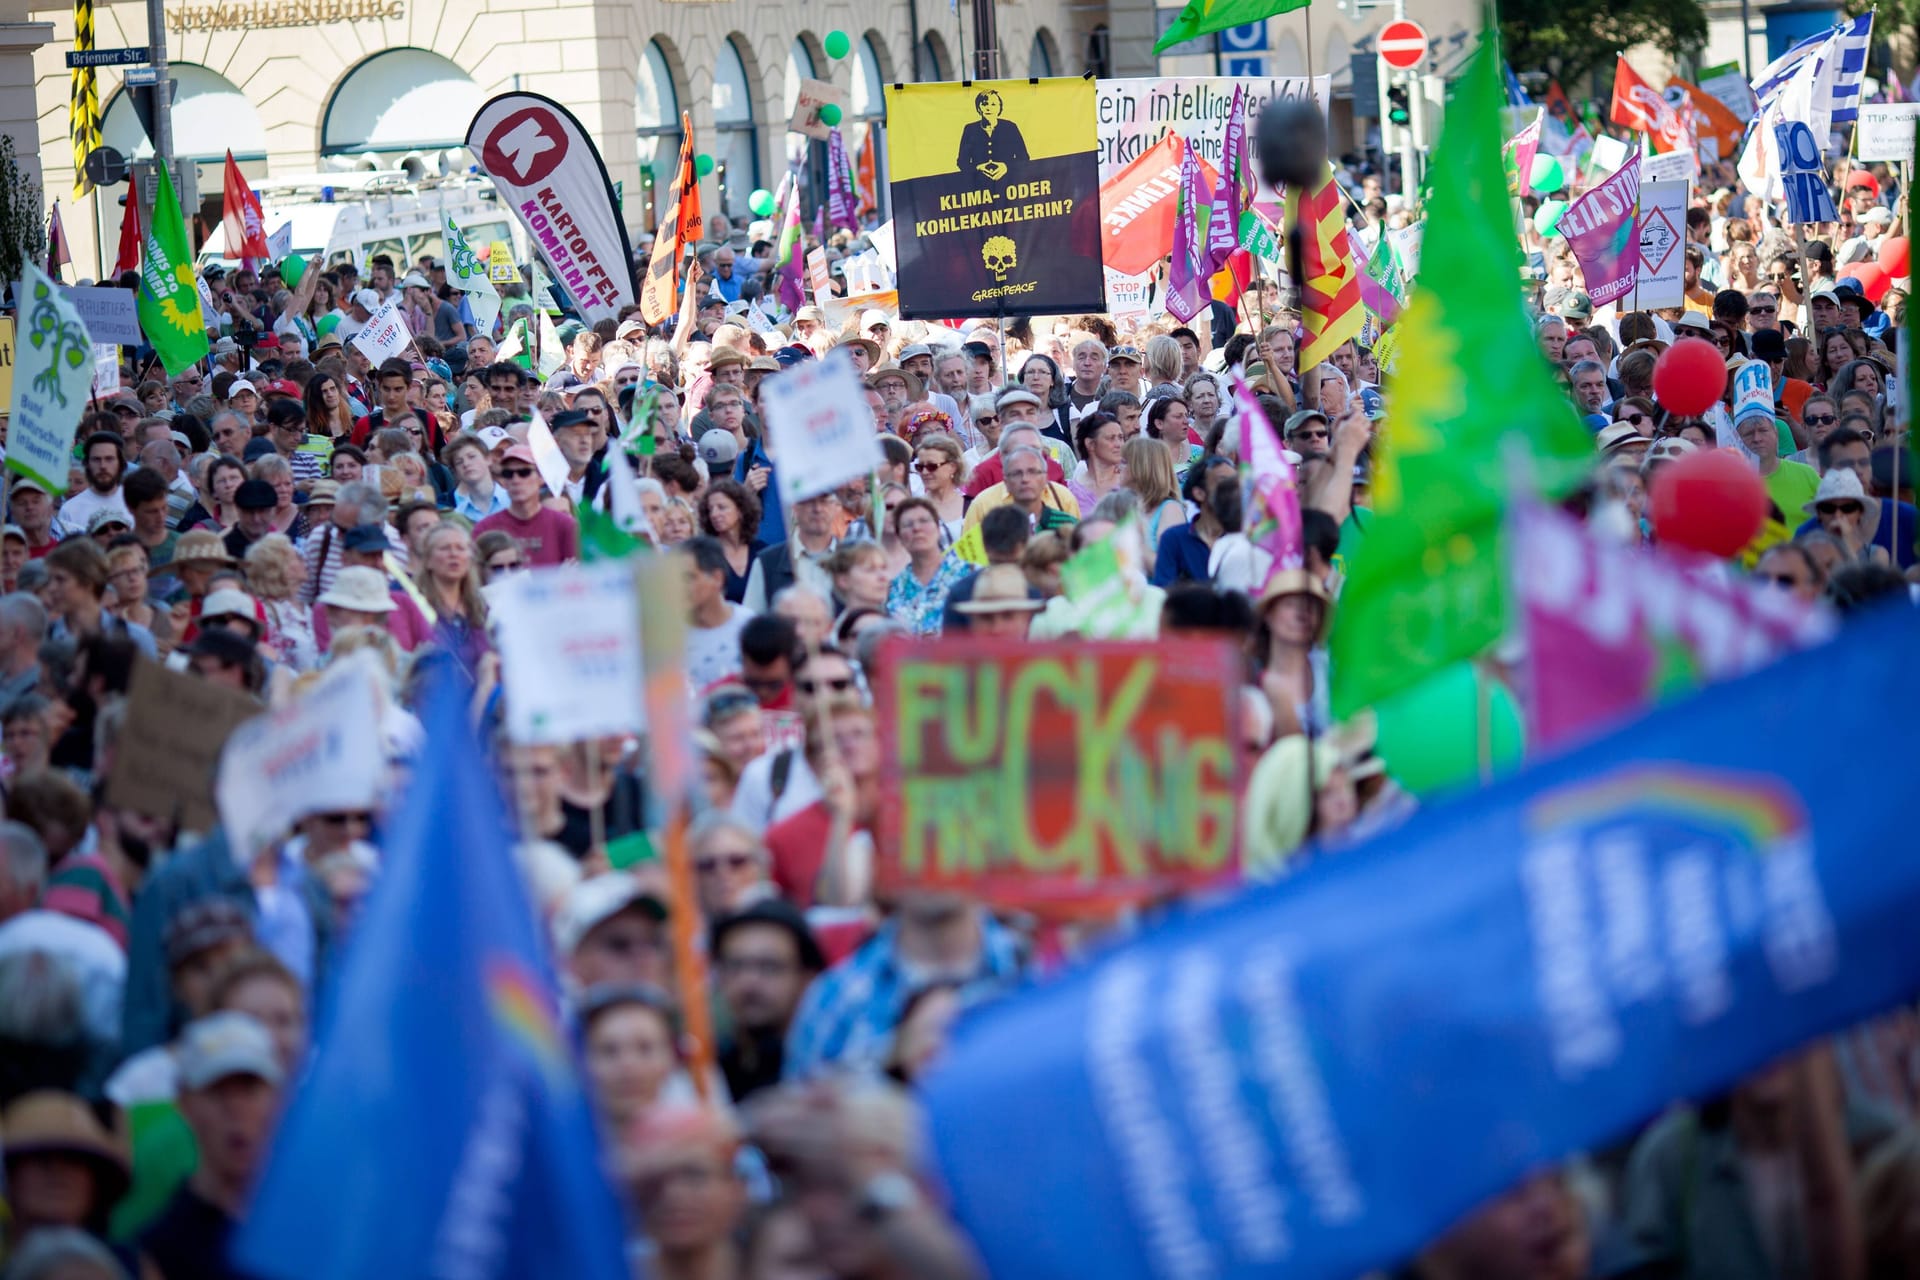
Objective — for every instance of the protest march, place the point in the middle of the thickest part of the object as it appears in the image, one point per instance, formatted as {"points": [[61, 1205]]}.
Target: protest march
{"points": [[1121, 693]]}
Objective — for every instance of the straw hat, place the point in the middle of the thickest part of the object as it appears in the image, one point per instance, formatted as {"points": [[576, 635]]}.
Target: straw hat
{"points": [[1297, 582], [915, 389], [201, 546], [1002, 588], [49, 1122], [360, 589]]}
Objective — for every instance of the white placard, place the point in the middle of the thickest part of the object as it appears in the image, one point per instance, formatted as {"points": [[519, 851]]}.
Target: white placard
{"points": [[1752, 390], [52, 371], [280, 243], [547, 458], [813, 95], [1668, 166], [106, 369], [819, 427], [1607, 156], [320, 753], [881, 238], [385, 335], [570, 651], [1885, 130], [1663, 246], [111, 314]]}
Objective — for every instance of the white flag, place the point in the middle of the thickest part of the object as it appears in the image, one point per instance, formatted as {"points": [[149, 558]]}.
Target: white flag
{"points": [[547, 457], [469, 275]]}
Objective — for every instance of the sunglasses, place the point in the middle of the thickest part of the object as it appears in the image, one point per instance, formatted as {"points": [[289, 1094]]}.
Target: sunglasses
{"points": [[1842, 509], [347, 819], [838, 685], [985, 418], [515, 473], [1635, 418], [928, 468], [1820, 419], [1320, 434], [1763, 311]]}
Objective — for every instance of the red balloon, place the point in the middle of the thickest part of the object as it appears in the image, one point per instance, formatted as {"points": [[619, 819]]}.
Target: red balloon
{"points": [[1873, 278], [1689, 376], [1893, 256], [1710, 501]]}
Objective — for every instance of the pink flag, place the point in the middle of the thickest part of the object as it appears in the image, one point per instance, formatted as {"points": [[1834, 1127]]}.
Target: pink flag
{"points": [[1610, 627], [1600, 229], [1223, 223], [1273, 518]]}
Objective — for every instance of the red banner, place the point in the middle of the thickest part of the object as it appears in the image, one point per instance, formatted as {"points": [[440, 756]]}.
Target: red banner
{"points": [[1638, 105], [244, 225], [1137, 207], [1067, 778]]}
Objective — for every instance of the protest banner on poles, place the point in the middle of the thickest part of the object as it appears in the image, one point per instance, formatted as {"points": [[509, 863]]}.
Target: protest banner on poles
{"points": [[1062, 777], [1135, 115], [385, 334], [168, 752], [549, 173], [818, 427], [1138, 206], [1599, 227], [996, 188], [569, 655], [320, 753], [53, 372]]}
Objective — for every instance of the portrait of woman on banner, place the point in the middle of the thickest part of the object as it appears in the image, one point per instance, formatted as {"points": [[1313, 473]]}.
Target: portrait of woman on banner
{"points": [[991, 146]]}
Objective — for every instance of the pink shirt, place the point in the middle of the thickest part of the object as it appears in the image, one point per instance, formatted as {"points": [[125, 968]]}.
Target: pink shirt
{"points": [[550, 537]]}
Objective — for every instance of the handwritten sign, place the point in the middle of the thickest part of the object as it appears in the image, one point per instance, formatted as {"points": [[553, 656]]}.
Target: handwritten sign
{"points": [[1885, 130], [819, 426], [165, 760], [815, 94], [385, 334], [1068, 778], [569, 653]]}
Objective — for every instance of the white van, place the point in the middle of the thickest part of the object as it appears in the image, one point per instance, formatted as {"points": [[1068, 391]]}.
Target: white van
{"points": [[360, 214]]}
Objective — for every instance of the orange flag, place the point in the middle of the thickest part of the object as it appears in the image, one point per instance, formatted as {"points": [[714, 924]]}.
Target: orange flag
{"points": [[1331, 292], [679, 227], [1711, 119]]}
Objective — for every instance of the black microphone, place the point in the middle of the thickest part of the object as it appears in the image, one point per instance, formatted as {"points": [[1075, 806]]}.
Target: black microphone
{"points": [[1291, 140]]}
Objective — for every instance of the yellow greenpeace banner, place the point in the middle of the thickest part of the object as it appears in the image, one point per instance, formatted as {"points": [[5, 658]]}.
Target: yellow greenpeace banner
{"points": [[996, 197]]}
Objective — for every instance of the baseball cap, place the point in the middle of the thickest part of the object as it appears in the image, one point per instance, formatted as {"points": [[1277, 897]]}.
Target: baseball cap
{"points": [[1830, 295], [241, 384], [492, 438], [415, 280], [1124, 352], [1018, 395], [1768, 344], [106, 516], [718, 447], [519, 453], [28, 482], [367, 299], [598, 899], [1576, 305], [874, 316], [569, 418], [202, 924], [225, 1044], [255, 495], [366, 537], [228, 602]]}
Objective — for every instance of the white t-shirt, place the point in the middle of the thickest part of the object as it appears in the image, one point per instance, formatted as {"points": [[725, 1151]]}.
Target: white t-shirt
{"points": [[713, 653]]}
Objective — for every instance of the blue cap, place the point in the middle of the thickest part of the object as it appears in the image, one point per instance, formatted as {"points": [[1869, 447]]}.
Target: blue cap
{"points": [[366, 537], [1597, 421]]}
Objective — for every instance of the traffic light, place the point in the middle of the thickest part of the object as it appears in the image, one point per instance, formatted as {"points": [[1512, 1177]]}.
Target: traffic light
{"points": [[1399, 107]]}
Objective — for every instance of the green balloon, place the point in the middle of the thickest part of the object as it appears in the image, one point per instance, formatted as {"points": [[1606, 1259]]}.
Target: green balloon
{"points": [[292, 268], [1547, 174], [837, 45], [326, 325], [703, 164], [761, 202], [1546, 219], [829, 114], [1429, 734]]}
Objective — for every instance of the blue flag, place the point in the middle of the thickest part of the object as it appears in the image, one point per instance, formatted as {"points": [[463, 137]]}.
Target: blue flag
{"points": [[1318, 1078], [442, 1130]]}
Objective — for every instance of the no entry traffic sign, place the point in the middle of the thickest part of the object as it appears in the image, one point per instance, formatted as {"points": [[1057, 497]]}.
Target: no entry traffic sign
{"points": [[1403, 45]]}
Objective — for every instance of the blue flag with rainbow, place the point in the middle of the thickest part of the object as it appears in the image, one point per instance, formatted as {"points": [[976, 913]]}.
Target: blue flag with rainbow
{"points": [[1314, 1080], [443, 1129]]}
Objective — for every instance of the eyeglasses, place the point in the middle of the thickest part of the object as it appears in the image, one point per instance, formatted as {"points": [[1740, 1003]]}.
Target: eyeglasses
{"points": [[1819, 419], [928, 468], [839, 684], [985, 419], [1762, 311], [1635, 418], [515, 473]]}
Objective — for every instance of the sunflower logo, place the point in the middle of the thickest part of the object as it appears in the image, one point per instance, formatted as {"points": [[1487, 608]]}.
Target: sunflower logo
{"points": [[176, 315]]}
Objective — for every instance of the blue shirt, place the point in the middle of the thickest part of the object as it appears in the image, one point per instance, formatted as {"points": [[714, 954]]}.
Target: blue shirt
{"points": [[921, 607], [1181, 557], [728, 287], [849, 1014]]}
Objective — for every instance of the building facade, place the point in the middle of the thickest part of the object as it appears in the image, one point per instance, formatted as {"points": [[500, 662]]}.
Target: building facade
{"points": [[305, 86]]}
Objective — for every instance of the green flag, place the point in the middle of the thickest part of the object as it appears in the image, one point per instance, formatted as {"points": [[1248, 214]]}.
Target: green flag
{"points": [[1425, 586], [1202, 17], [169, 304]]}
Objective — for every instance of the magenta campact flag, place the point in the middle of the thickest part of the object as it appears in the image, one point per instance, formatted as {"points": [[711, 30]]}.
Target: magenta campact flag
{"points": [[1187, 293], [1223, 226], [1274, 523], [1599, 228], [842, 210]]}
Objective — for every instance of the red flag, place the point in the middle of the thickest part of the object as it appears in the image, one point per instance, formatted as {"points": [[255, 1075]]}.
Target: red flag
{"points": [[1639, 106], [869, 203], [58, 251], [1331, 290], [128, 257], [240, 215]]}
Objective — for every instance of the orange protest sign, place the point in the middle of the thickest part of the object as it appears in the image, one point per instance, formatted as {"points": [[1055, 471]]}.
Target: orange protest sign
{"points": [[1066, 778], [1137, 206]]}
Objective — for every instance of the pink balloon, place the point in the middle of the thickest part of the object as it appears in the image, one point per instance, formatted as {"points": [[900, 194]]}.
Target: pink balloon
{"points": [[1893, 256], [1689, 376], [1873, 278]]}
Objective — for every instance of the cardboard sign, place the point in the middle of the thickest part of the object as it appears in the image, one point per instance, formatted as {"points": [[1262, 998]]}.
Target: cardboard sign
{"points": [[1885, 130], [1067, 777], [320, 753], [165, 761], [112, 315], [385, 334], [1802, 175], [815, 94], [55, 377], [570, 652], [1663, 234], [818, 426]]}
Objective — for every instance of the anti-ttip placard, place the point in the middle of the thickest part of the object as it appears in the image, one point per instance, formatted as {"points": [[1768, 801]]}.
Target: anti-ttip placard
{"points": [[996, 197]]}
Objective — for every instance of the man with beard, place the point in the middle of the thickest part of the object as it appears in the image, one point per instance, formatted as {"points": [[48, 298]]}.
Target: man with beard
{"points": [[764, 957], [106, 466]]}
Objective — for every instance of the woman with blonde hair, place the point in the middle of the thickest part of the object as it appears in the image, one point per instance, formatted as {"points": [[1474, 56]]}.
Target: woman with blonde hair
{"points": [[1163, 368], [942, 467], [278, 472], [449, 580], [275, 573], [1150, 477]]}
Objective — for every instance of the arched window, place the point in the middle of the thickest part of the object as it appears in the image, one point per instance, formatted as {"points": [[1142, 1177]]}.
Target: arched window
{"points": [[1039, 60], [210, 115], [929, 59], [869, 82], [656, 119], [399, 101], [736, 151]]}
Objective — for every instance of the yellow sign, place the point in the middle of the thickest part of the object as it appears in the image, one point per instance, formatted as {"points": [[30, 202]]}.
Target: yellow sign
{"points": [[6, 364], [280, 13], [996, 196]]}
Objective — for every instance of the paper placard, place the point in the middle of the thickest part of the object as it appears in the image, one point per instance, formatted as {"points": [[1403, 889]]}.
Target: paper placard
{"points": [[1752, 390], [552, 463], [1608, 155], [385, 334], [570, 651], [169, 749], [815, 94], [1669, 166], [819, 426], [112, 315], [320, 753], [1885, 130], [1663, 235]]}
